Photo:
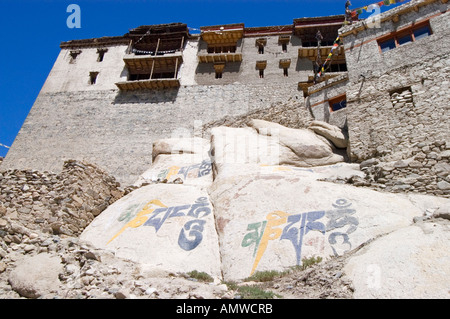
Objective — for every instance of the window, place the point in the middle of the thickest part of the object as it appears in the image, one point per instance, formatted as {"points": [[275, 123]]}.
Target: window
{"points": [[387, 45], [261, 43], [222, 49], [422, 32], [93, 77], [261, 49], [261, 73], [338, 67], [261, 65], [137, 77], [218, 68], [101, 54], [409, 35], [285, 64], [163, 75], [284, 40], [323, 43], [404, 39], [338, 103], [73, 55]]}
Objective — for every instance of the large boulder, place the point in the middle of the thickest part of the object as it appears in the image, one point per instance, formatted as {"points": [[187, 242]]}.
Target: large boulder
{"points": [[36, 276], [183, 161], [183, 169], [273, 219], [330, 132], [164, 227], [411, 262], [196, 146], [271, 144]]}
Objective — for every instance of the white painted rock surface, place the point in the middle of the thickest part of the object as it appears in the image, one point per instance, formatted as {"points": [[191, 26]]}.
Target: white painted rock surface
{"points": [[271, 221], [252, 212], [189, 169], [272, 144], [165, 227], [411, 262], [330, 132], [195, 146]]}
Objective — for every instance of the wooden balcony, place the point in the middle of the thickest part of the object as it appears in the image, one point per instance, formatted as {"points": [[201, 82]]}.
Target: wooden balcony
{"points": [[311, 53], [141, 63], [151, 84], [219, 57]]}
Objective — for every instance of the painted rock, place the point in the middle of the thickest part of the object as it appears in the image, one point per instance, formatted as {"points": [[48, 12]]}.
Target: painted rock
{"points": [[164, 227]]}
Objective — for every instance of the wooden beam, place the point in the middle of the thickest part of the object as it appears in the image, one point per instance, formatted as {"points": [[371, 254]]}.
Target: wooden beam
{"points": [[157, 46], [176, 68]]}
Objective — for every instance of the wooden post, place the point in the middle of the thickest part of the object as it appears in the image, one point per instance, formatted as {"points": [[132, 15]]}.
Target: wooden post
{"points": [[129, 47], [182, 43], [176, 67], [157, 47], [151, 72]]}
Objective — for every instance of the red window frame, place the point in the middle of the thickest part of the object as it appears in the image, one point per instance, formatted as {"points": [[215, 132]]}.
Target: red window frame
{"points": [[401, 33]]}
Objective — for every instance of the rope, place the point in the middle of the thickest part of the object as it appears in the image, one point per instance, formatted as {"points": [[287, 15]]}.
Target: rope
{"points": [[4, 145]]}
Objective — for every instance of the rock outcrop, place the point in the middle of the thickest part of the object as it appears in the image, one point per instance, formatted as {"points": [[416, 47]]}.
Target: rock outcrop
{"points": [[257, 199]]}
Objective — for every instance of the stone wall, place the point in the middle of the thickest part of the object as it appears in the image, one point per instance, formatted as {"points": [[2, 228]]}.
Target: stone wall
{"points": [[115, 130], [427, 171], [377, 126], [292, 114], [65, 203], [247, 72], [319, 96]]}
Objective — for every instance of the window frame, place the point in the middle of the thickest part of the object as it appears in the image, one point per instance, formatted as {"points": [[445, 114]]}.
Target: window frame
{"points": [[395, 36], [335, 100]]}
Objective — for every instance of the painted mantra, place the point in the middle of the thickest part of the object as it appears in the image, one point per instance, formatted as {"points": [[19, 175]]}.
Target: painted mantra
{"points": [[282, 226], [192, 171], [155, 213]]}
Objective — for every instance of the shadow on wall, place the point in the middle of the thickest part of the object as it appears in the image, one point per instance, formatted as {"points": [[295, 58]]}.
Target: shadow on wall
{"points": [[208, 68], [304, 64], [205, 73], [147, 96]]}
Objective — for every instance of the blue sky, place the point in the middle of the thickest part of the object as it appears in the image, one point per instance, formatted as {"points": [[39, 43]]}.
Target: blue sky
{"points": [[31, 31]]}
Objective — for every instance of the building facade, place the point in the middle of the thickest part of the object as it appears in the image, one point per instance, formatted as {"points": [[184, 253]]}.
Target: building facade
{"points": [[107, 99]]}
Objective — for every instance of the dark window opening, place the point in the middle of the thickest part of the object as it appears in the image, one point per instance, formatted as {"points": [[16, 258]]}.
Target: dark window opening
{"points": [[284, 47], [422, 32], [163, 75], [101, 54], [73, 55], [222, 49], [387, 45], [261, 49], [338, 67], [218, 74], [404, 39], [137, 77], [285, 72], [261, 73], [93, 77], [310, 44], [338, 103]]}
